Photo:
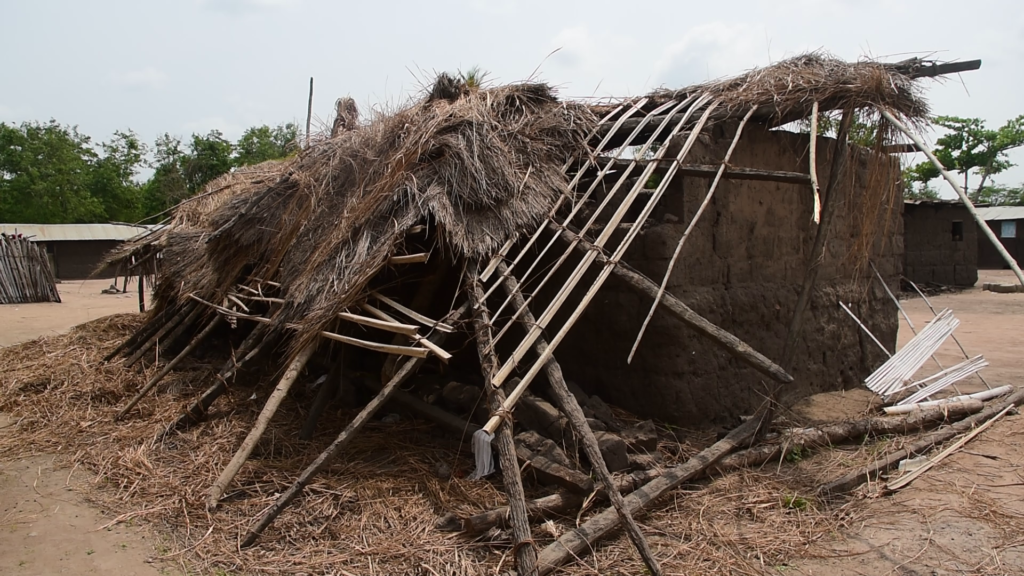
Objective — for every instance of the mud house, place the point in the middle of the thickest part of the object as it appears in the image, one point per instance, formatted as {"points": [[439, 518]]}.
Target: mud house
{"points": [[76, 250], [940, 243], [743, 269], [1007, 222]]}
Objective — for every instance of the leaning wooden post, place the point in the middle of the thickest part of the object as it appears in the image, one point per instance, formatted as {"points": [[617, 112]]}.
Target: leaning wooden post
{"points": [[336, 447], [839, 154], [578, 420], [959, 192], [273, 402], [669, 303], [576, 542], [526, 553], [196, 411], [190, 309], [170, 366]]}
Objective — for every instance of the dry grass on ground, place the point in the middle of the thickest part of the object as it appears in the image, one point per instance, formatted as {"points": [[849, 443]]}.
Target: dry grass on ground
{"points": [[374, 513]]}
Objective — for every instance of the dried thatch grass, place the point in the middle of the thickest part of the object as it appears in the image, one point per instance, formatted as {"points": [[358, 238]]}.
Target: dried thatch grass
{"points": [[374, 512], [785, 91]]}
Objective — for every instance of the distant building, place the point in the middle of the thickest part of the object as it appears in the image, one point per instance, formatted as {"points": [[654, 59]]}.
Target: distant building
{"points": [[1008, 224], [940, 243], [75, 250]]}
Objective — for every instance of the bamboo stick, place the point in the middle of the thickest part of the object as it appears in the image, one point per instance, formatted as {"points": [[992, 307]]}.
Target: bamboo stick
{"points": [[389, 326], [196, 341], [727, 341], [273, 402], [686, 233], [409, 259], [436, 324], [569, 405], [526, 553], [813, 162], [336, 447], [424, 342], [905, 480], [188, 310], [983, 395], [953, 336]]}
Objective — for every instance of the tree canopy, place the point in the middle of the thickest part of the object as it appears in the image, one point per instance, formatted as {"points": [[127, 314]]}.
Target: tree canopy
{"points": [[967, 147], [53, 174]]}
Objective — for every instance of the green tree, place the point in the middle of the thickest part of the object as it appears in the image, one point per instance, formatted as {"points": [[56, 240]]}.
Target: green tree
{"points": [[1002, 195], [45, 174], [262, 143], [968, 146], [167, 186], [209, 156], [113, 177]]}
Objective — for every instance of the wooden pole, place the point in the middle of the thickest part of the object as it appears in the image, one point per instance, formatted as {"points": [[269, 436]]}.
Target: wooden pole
{"points": [[273, 402], [140, 335], [142, 290], [577, 542], [324, 460], [578, 421], [188, 309], [868, 473], [731, 344], [831, 203], [196, 411], [959, 192], [170, 366], [526, 553], [309, 111]]}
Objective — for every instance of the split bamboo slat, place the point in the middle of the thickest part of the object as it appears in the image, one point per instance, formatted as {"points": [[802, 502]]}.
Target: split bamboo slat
{"points": [[25, 274]]}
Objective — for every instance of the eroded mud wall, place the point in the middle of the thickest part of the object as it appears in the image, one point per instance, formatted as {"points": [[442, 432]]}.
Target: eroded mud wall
{"points": [[742, 268]]}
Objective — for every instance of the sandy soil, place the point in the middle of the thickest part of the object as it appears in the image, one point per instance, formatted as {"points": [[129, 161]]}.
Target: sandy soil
{"points": [[966, 516], [47, 528], [81, 301]]}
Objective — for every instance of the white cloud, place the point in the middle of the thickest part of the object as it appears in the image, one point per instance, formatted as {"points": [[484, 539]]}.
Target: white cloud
{"points": [[144, 78], [585, 56], [710, 51]]}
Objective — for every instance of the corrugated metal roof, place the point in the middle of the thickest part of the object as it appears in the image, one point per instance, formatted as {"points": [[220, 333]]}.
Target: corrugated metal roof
{"points": [[1002, 213], [61, 232]]}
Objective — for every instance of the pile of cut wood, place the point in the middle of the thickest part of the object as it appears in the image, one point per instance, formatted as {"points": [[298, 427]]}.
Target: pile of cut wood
{"points": [[25, 274]]}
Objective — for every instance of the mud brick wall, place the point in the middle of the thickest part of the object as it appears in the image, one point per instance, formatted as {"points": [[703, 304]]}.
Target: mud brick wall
{"points": [[742, 268], [932, 254]]}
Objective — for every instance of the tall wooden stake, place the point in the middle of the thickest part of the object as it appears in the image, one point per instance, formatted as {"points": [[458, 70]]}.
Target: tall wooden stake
{"points": [[273, 402], [579, 424], [526, 553], [839, 155], [142, 291], [336, 447], [190, 309], [309, 111]]}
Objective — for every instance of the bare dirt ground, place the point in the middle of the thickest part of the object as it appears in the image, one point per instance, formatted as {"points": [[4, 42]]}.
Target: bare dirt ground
{"points": [[46, 526], [81, 301], [966, 516]]}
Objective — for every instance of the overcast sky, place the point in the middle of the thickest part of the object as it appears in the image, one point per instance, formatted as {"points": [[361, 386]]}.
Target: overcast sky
{"points": [[194, 65]]}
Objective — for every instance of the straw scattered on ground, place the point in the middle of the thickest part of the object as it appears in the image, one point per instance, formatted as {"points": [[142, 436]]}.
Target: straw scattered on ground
{"points": [[374, 512]]}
